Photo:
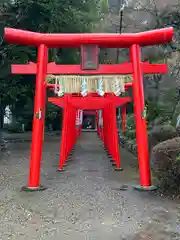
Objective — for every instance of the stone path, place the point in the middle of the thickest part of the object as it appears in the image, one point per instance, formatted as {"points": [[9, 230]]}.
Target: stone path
{"points": [[83, 203]]}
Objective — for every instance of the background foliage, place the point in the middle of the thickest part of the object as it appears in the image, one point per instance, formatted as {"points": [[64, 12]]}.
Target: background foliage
{"points": [[51, 16]]}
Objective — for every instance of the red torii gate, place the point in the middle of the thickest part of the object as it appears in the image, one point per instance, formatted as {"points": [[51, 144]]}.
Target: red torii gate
{"points": [[110, 138], [132, 41]]}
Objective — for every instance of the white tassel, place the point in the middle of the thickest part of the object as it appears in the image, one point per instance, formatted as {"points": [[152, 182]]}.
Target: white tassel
{"points": [[81, 117], [84, 88], [100, 87], [56, 85], [60, 92], [117, 91]]}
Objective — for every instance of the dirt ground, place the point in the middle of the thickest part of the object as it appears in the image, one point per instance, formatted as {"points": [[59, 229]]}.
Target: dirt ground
{"points": [[86, 202]]}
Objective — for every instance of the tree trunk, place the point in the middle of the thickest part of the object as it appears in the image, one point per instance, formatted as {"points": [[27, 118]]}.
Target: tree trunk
{"points": [[2, 112], [14, 113], [1, 117]]}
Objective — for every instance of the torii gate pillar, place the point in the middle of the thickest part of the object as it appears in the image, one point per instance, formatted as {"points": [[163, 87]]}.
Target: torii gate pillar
{"points": [[38, 121], [141, 131]]}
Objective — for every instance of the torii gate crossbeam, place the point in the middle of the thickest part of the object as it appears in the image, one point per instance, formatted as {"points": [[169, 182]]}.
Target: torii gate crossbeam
{"points": [[91, 103]]}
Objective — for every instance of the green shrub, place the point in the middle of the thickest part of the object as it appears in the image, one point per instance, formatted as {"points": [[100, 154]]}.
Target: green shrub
{"points": [[130, 123], [14, 128], [131, 134]]}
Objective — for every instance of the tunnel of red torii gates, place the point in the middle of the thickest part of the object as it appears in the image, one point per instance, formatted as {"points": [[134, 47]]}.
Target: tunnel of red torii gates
{"points": [[89, 86]]}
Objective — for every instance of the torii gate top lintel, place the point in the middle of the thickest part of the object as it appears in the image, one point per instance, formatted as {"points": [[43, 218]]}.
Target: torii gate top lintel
{"points": [[108, 40]]}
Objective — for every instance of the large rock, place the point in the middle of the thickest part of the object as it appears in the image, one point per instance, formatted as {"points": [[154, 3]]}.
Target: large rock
{"points": [[164, 155], [161, 133]]}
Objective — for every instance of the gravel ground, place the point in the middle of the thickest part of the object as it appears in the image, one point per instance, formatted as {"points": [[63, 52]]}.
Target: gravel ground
{"points": [[85, 202]]}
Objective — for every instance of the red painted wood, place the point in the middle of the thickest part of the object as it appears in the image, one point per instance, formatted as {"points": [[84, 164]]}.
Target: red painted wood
{"points": [[87, 112], [75, 40], [91, 103], [103, 69]]}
